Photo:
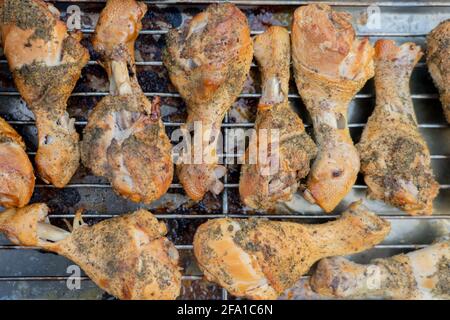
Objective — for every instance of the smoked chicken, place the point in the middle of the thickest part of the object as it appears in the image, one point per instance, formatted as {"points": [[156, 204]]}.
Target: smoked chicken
{"points": [[128, 256], [208, 62], [125, 139], [438, 60], [16, 170], [46, 62], [395, 159], [259, 259], [421, 274], [330, 65], [264, 182]]}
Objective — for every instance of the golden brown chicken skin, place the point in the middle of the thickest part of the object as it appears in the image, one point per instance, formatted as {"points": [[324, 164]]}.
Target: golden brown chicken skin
{"points": [[128, 256], [208, 62], [417, 275], [330, 65], [125, 139], [46, 62], [16, 170], [438, 59], [259, 259], [395, 159], [276, 177]]}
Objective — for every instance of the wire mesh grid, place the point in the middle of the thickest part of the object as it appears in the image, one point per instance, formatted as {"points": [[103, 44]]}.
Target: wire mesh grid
{"points": [[27, 273]]}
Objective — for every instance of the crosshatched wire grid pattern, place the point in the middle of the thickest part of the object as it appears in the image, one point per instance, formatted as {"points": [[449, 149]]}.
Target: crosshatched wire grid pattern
{"points": [[27, 273]]}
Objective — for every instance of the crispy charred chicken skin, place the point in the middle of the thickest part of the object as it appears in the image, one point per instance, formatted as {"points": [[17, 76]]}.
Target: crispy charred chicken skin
{"points": [[127, 256], [438, 59], [420, 274], [16, 170], [125, 139], [330, 67], [46, 62], [208, 62], [259, 259], [395, 159], [290, 159]]}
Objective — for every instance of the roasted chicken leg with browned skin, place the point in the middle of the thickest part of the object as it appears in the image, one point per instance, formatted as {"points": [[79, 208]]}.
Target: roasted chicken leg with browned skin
{"points": [[331, 65], [127, 256], [46, 62], [395, 159], [208, 62], [259, 259], [293, 149], [125, 139], [438, 59], [16, 170], [421, 274]]}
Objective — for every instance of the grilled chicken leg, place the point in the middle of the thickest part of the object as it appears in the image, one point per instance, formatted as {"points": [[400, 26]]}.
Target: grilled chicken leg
{"points": [[330, 67], [259, 259], [395, 158], [438, 60], [127, 256], [46, 63], [208, 62], [293, 149], [16, 170], [125, 139], [421, 274]]}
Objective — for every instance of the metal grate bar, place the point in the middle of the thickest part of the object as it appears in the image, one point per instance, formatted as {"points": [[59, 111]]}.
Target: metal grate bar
{"points": [[394, 3], [256, 32], [243, 95], [190, 247], [240, 124], [247, 216], [176, 186]]}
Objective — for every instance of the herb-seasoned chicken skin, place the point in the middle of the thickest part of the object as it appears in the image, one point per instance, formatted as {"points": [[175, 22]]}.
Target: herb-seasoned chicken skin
{"points": [[421, 274], [16, 170], [395, 159], [264, 182], [208, 62], [331, 65], [125, 139], [46, 62], [127, 256], [259, 259], [438, 59]]}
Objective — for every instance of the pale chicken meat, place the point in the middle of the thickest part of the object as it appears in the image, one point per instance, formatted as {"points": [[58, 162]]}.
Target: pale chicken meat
{"points": [[125, 139], [279, 132], [16, 170], [127, 256], [395, 159], [330, 65], [208, 62], [420, 274], [46, 63], [259, 259], [438, 59]]}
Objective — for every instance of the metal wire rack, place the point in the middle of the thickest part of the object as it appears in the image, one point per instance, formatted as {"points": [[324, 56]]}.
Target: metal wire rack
{"points": [[26, 273]]}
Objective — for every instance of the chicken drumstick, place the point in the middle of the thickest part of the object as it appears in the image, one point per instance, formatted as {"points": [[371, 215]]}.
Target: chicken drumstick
{"points": [[421, 274], [295, 149], [259, 259], [330, 67], [125, 139], [395, 159], [46, 63], [208, 62], [438, 59], [16, 170], [127, 256]]}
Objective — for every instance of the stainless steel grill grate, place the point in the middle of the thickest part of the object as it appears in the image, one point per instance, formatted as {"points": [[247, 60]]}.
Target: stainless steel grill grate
{"points": [[26, 273]]}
